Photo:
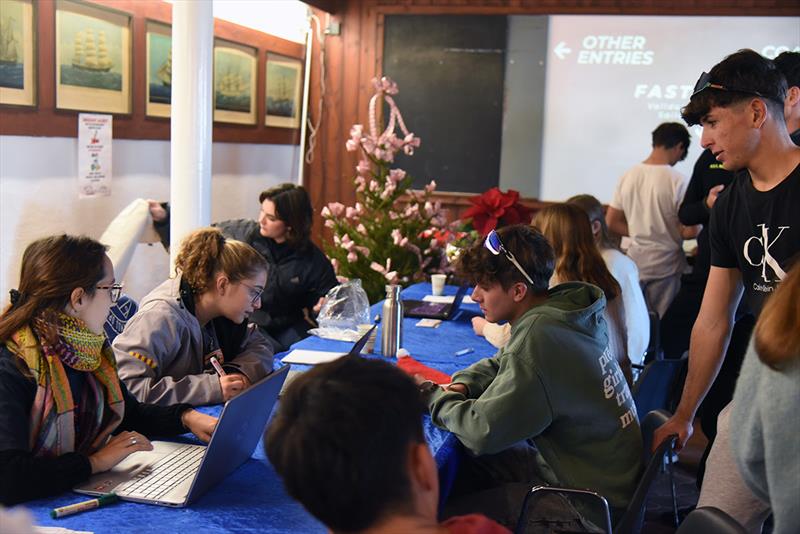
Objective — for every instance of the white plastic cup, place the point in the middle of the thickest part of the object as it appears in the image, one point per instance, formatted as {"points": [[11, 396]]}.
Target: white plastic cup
{"points": [[437, 283]]}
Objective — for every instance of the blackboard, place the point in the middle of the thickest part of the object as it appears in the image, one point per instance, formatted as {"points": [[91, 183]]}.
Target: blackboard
{"points": [[450, 70]]}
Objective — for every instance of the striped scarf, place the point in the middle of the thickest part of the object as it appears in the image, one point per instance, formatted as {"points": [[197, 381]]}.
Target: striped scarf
{"points": [[59, 424]]}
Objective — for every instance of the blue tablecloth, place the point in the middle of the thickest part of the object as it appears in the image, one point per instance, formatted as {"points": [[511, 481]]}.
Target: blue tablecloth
{"points": [[252, 499]]}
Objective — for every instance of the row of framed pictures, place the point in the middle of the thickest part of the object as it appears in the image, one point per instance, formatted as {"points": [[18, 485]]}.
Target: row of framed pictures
{"points": [[93, 52]]}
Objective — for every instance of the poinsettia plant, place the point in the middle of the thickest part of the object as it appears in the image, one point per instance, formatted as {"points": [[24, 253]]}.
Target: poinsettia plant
{"points": [[495, 209], [392, 235]]}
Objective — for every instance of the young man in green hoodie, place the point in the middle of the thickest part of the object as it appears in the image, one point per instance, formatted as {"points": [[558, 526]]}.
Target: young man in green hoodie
{"points": [[552, 406]]}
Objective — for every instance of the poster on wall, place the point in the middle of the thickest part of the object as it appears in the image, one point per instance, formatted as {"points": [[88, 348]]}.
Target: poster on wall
{"points": [[234, 83], [94, 155], [17, 76], [93, 58], [159, 70], [283, 92]]}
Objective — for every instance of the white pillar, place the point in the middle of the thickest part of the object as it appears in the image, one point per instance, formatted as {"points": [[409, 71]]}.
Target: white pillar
{"points": [[192, 119]]}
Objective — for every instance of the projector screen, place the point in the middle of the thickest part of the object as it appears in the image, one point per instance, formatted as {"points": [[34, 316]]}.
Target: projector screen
{"points": [[610, 80]]}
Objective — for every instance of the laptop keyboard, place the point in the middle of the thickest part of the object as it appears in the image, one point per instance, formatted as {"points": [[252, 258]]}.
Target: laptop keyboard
{"points": [[156, 480]]}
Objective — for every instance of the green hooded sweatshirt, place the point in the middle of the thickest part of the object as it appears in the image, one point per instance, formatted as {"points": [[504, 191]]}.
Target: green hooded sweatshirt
{"points": [[555, 383]]}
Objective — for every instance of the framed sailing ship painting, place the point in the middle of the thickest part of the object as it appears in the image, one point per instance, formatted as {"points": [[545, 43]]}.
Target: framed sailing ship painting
{"points": [[17, 71], [283, 92], [159, 70], [234, 83], [93, 58]]}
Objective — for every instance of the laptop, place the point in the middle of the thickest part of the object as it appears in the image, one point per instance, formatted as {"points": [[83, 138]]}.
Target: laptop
{"points": [[434, 310], [175, 474], [311, 357]]}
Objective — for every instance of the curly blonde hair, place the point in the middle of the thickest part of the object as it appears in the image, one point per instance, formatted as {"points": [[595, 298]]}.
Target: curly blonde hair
{"points": [[206, 252]]}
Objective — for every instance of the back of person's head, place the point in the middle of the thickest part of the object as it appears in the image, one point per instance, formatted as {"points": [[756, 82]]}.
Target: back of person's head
{"points": [[479, 266], [569, 231], [789, 65], [52, 268], [778, 328], [341, 440], [740, 77], [293, 207], [205, 253], [594, 210], [670, 134]]}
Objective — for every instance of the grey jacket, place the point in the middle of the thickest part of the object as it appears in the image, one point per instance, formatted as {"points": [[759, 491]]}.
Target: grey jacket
{"points": [[161, 358]]}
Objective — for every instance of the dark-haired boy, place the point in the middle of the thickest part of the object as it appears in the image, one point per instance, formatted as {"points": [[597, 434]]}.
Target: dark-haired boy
{"points": [[755, 224], [552, 406], [645, 207], [348, 442]]}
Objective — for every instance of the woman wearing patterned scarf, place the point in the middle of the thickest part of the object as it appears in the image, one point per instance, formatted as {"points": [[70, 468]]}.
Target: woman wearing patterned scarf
{"points": [[64, 414]]}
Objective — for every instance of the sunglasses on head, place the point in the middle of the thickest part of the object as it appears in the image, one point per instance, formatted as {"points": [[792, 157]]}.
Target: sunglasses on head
{"points": [[705, 82], [496, 247]]}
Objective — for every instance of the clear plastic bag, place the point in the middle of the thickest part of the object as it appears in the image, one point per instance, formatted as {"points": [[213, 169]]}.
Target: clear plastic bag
{"points": [[346, 306]]}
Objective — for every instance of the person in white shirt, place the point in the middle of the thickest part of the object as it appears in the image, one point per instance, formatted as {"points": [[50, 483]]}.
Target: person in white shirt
{"points": [[624, 270], [645, 208]]}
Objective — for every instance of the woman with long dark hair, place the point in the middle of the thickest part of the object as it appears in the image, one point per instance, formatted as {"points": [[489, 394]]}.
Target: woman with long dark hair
{"points": [[64, 414]]}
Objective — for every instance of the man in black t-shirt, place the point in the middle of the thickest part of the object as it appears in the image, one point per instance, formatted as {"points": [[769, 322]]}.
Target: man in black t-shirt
{"points": [[755, 223]]}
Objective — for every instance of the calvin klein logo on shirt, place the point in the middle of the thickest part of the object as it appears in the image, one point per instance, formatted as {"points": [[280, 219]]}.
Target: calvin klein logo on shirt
{"points": [[766, 258]]}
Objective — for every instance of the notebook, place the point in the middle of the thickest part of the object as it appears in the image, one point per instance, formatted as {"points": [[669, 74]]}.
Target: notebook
{"points": [[434, 310], [175, 474], [313, 357]]}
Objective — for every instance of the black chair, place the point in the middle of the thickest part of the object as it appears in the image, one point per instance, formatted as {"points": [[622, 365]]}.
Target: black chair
{"points": [[633, 517], [655, 387], [709, 520], [653, 351]]}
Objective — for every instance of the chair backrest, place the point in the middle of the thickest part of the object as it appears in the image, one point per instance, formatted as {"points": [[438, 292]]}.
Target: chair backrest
{"points": [[653, 351], [708, 520], [631, 520], [119, 314], [653, 390]]}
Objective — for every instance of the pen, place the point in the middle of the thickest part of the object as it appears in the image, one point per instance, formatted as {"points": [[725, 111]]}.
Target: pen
{"points": [[102, 500], [217, 367], [465, 351]]}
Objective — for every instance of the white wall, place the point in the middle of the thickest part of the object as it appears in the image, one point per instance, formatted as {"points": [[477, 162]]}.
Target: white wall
{"points": [[38, 195]]}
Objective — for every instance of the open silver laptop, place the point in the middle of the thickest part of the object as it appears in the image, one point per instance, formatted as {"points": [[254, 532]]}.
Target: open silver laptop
{"points": [[175, 474]]}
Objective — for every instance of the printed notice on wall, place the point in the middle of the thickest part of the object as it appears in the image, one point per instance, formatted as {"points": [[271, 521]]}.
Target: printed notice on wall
{"points": [[94, 155]]}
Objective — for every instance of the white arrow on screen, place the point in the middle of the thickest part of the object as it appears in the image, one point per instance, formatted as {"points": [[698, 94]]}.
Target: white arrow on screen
{"points": [[561, 50]]}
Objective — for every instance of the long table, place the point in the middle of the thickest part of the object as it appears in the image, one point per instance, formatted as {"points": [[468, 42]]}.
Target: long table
{"points": [[252, 498]]}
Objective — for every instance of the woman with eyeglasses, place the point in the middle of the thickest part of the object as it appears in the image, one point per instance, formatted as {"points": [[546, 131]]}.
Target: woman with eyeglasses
{"points": [[64, 413], [191, 324], [300, 273]]}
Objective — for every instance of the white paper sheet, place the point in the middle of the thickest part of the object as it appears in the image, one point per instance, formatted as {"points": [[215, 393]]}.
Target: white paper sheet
{"points": [[446, 299], [311, 357]]}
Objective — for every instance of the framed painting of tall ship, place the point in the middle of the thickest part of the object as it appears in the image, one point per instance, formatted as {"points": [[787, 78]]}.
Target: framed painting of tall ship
{"points": [[159, 70], [93, 58], [234, 83], [283, 92], [17, 70]]}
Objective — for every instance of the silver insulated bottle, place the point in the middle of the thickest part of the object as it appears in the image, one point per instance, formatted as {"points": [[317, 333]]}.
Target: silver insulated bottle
{"points": [[392, 322]]}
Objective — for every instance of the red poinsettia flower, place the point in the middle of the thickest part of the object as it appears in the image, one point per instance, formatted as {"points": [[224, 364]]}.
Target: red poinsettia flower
{"points": [[494, 209]]}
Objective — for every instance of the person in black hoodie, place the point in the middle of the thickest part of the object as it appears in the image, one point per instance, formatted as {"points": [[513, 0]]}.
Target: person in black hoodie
{"points": [[64, 414], [300, 275]]}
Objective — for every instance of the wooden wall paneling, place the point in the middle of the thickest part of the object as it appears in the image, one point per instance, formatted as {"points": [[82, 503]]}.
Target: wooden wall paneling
{"points": [[46, 120]]}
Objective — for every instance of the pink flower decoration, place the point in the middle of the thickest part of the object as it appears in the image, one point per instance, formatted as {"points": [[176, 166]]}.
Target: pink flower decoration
{"points": [[351, 145], [361, 229], [364, 167], [326, 212], [329, 223], [352, 257], [397, 175], [431, 187], [350, 213], [337, 208]]}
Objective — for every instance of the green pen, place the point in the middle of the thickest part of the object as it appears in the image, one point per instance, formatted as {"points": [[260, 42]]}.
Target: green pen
{"points": [[70, 509]]}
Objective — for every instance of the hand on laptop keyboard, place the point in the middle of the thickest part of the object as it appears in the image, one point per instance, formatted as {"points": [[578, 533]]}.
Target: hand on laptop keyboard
{"points": [[117, 449]]}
